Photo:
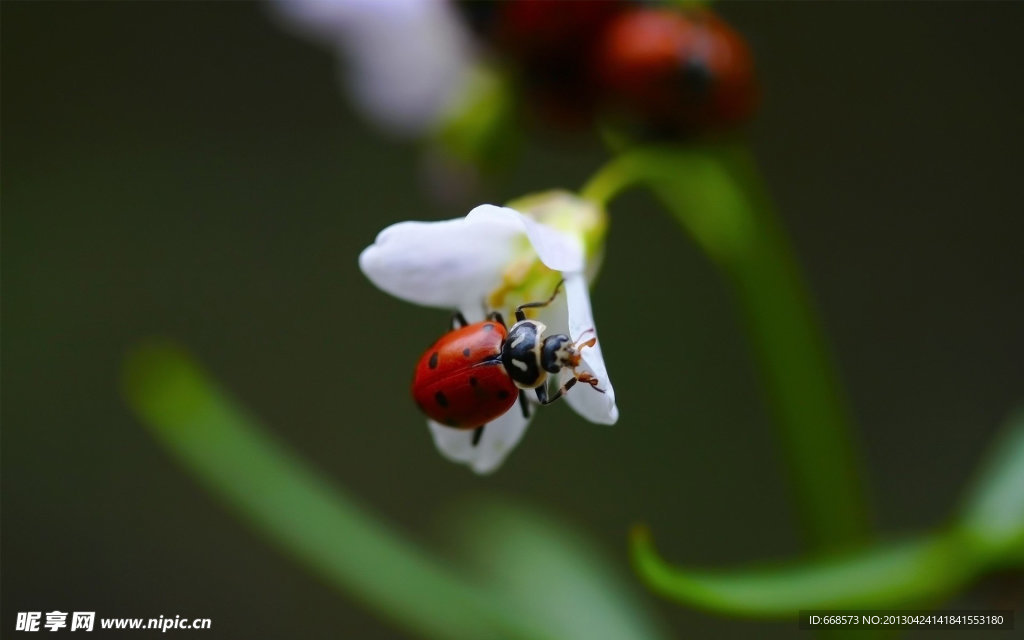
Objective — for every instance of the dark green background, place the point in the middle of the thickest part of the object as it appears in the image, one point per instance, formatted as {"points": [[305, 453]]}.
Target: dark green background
{"points": [[189, 170]]}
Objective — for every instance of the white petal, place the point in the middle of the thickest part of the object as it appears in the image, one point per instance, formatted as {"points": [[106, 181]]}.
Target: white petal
{"points": [[555, 316], [408, 67], [473, 313], [407, 59], [322, 19], [557, 250], [498, 439], [594, 406], [450, 264]]}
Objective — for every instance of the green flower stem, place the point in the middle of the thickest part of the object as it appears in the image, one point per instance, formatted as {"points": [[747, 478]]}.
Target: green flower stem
{"points": [[993, 514], [717, 196], [915, 572], [316, 523], [985, 534]]}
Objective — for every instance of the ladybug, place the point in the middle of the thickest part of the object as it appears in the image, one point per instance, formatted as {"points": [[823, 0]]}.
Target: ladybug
{"points": [[549, 45], [679, 70], [475, 373]]}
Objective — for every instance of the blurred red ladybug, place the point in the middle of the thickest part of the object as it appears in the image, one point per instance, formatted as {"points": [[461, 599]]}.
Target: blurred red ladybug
{"points": [[552, 45], [475, 373], [686, 70]]}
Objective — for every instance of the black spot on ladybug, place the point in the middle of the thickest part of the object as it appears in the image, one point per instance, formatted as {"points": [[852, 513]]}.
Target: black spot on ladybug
{"points": [[472, 381], [433, 361], [697, 78], [503, 394], [466, 352], [441, 400]]}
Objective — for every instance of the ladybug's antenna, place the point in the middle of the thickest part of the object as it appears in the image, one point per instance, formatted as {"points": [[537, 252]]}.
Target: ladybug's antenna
{"points": [[580, 343], [521, 315], [589, 343]]}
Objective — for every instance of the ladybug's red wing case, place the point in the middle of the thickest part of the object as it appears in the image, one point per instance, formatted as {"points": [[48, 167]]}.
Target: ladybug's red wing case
{"points": [[468, 399], [460, 382], [686, 70], [459, 349]]}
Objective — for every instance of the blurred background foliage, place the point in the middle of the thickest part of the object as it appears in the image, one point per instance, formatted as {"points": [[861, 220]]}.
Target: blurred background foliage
{"points": [[190, 170]]}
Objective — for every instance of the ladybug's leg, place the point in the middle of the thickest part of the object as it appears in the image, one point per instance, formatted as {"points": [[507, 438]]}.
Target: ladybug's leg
{"points": [[524, 404], [521, 315], [458, 320], [589, 379], [542, 391], [477, 434], [496, 317]]}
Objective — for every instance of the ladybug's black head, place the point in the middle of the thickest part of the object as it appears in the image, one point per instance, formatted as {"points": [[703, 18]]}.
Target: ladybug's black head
{"points": [[557, 353]]}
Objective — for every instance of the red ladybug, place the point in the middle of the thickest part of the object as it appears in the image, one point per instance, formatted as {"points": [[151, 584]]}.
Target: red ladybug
{"points": [[685, 70], [475, 373], [551, 44]]}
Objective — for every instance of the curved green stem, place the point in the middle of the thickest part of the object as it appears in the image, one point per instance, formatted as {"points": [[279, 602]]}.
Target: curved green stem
{"points": [[918, 570], [986, 534], [717, 196]]}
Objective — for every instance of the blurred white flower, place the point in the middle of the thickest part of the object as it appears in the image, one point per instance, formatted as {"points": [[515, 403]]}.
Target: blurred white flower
{"points": [[497, 258], [407, 60]]}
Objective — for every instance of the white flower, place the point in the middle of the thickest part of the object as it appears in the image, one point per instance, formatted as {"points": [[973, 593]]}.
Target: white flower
{"points": [[497, 258], [407, 59]]}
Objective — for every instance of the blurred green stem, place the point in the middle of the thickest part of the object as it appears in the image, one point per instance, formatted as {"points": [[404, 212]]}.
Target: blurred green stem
{"points": [[986, 534], [717, 196], [318, 524], [922, 569]]}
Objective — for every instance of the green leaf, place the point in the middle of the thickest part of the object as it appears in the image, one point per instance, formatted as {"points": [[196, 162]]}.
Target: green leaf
{"points": [[993, 515], [553, 574], [297, 509], [916, 571]]}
